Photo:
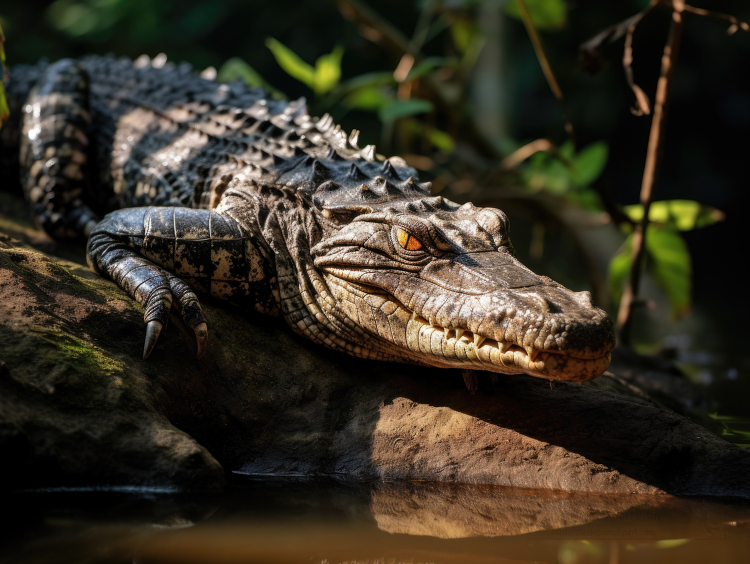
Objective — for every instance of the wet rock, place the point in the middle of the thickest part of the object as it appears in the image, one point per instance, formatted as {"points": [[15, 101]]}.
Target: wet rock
{"points": [[72, 413], [79, 406]]}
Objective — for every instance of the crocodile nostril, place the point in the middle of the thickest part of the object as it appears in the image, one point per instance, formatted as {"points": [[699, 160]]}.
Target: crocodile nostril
{"points": [[552, 306]]}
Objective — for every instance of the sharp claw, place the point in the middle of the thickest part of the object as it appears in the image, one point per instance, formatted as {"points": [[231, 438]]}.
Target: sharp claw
{"points": [[201, 337], [152, 334]]}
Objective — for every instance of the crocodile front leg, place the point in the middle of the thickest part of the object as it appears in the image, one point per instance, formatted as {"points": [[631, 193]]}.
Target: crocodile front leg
{"points": [[160, 255]]}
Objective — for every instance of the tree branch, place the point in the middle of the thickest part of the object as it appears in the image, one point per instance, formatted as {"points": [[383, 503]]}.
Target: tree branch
{"points": [[651, 169], [734, 23]]}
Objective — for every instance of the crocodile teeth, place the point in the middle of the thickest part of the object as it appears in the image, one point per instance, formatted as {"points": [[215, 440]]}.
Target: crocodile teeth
{"points": [[447, 333], [478, 340], [505, 346], [532, 353], [459, 332]]}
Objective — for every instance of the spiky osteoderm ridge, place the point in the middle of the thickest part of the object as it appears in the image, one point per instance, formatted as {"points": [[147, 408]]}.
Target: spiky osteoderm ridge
{"points": [[224, 129]]}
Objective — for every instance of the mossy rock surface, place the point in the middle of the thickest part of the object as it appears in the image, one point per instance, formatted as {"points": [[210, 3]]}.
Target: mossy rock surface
{"points": [[79, 407]]}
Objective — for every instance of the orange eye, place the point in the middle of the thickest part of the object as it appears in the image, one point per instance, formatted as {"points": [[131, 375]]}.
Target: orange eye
{"points": [[407, 241]]}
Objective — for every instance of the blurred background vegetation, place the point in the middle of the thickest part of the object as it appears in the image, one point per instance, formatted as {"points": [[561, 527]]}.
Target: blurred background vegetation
{"points": [[455, 87]]}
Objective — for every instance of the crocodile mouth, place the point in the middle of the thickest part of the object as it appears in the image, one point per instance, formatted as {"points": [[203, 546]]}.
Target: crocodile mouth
{"points": [[458, 347]]}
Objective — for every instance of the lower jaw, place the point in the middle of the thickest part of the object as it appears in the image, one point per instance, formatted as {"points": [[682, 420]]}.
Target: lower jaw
{"points": [[488, 357], [560, 368]]}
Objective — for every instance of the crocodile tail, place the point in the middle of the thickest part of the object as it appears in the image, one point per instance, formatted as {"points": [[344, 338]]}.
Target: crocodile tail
{"points": [[21, 80]]}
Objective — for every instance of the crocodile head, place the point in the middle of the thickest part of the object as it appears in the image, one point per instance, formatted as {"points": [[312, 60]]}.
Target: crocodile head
{"points": [[438, 284]]}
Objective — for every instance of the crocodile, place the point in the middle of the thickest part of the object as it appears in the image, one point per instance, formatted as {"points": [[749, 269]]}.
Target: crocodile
{"points": [[184, 186]]}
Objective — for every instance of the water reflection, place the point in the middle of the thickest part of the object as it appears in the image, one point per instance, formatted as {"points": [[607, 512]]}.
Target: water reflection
{"points": [[337, 522]]}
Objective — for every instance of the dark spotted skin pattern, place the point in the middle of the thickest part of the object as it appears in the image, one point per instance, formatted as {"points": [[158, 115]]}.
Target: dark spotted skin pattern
{"points": [[219, 190]]}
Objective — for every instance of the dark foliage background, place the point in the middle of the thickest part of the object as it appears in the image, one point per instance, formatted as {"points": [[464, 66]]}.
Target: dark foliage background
{"points": [[706, 143]]}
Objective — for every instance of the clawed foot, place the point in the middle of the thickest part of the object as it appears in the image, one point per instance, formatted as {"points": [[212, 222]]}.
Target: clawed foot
{"points": [[157, 314], [154, 327]]}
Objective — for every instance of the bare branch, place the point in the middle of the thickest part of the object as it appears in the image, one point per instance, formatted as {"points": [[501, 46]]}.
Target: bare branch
{"points": [[651, 169], [521, 154], [734, 23], [642, 105], [592, 57]]}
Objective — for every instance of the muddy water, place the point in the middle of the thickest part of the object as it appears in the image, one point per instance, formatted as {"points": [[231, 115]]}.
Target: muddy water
{"points": [[386, 523]]}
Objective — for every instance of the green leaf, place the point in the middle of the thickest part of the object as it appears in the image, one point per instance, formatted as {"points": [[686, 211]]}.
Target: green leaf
{"points": [[368, 98], [235, 68], [404, 108], [589, 163], [545, 14], [291, 63], [619, 270], [463, 33], [425, 66], [368, 79], [4, 110], [441, 140], [72, 18], [683, 215], [328, 71], [587, 198], [671, 267]]}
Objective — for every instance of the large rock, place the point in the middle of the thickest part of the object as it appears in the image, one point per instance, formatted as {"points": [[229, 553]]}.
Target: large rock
{"points": [[79, 406]]}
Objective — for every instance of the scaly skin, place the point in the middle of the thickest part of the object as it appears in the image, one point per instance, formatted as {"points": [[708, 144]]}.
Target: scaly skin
{"points": [[289, 217]]}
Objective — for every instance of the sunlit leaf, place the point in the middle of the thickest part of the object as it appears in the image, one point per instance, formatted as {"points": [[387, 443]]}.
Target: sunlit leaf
{"points": [[368, 98], [589, 163], [328, 71], [291, 63], [235, 68], [671, 267], [619, 270], [545, 14], [683, 215], [404, 108]]}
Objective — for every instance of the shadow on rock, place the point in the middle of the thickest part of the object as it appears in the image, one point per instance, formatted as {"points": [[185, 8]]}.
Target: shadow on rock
{"points": [[79, 406]]}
